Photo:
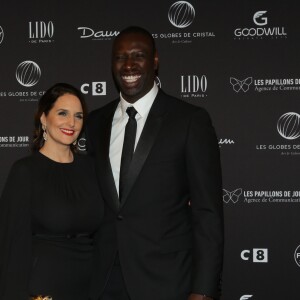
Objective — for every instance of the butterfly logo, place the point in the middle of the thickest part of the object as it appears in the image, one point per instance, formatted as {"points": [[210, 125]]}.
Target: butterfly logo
{"points": [[232, 196], [241, 84]]}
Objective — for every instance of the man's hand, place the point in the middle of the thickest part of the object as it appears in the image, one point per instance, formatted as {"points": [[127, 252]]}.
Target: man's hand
{"points": [[198, 297]]}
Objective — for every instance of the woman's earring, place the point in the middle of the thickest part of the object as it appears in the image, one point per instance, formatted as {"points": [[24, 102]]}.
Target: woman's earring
{"points": [[75, 142], [44, 133]]}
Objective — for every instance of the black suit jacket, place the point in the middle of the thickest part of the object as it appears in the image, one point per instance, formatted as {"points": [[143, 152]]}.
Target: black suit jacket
{"points": [[169, 229]]}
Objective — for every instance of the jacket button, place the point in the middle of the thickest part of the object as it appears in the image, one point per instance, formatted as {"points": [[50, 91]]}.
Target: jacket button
{"points": [[119, 217]]}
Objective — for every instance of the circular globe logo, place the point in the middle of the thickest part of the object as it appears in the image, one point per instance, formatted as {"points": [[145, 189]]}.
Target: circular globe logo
{"points": [[288, 125], [28, 73], [181, 14], [1, 34], [297, 255]]}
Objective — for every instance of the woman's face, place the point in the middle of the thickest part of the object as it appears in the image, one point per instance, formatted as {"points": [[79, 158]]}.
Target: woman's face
{"points": [[64, 121]]}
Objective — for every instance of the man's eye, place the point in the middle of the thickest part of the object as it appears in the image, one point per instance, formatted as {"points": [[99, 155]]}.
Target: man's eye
{"points": [[119, 57], [140, 55]]}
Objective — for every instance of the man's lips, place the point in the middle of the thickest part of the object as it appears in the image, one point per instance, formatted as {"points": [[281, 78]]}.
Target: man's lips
{"points": [[129, 79], [68, 132]]}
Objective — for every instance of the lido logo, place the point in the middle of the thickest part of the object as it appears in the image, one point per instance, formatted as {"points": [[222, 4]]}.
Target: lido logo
{"points": [[28, 73], [288, 125], [181, 14]]}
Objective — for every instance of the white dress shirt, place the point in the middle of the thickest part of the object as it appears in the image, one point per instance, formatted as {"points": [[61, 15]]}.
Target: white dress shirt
{"points": [[120, 119]]}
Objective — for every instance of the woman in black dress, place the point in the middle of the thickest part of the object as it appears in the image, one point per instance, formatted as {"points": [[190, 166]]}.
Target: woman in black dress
{"points": [[50, 208]]}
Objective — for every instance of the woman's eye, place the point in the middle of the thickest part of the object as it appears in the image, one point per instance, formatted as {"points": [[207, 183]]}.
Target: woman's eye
{"points": [[79, 116], [62, 113]]}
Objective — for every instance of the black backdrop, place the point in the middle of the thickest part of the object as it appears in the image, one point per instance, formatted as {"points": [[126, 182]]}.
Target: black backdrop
{"points": [[238, 59]]}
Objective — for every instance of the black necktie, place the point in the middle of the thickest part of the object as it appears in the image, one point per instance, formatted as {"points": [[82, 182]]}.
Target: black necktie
{"points": [[128, 147]]}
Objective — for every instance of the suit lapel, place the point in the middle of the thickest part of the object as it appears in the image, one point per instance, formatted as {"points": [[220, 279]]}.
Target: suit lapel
{"points": [[104, 167], [145, 144]]}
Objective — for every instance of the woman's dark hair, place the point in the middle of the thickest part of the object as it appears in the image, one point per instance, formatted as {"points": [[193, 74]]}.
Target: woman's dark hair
{"points": [[45, 105]]}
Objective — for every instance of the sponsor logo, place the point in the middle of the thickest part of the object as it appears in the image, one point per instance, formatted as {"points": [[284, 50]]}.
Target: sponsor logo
{"points": [[28, 73], [181, 14], [225, 142], [96, 88], [260, 19], [193, 86], [97, 35], [297, 256], [288, 125], [81, 144], [245, 196], [1, 34], [14, 141], [41, 32], [246, 297], [256, 255], [241, 85], [232, 196], [260, 85]]}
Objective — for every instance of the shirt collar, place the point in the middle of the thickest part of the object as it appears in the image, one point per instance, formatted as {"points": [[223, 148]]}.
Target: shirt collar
{"points": [[142, 105]]}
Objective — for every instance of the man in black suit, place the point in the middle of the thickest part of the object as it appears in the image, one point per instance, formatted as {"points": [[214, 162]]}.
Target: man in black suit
{"points": [[162, 234]]}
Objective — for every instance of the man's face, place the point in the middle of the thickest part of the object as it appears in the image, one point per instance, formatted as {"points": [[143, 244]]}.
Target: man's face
{"points": [[134, 65]]}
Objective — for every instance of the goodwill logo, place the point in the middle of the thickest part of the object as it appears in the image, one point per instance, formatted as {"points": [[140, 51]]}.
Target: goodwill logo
{"points": [[260, 19], [260, 85], [181, 15], [1, 35], [248, 196], [246, 297]]}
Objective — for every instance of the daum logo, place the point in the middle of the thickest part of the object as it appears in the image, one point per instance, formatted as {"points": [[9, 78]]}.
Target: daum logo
{"points": [[181, 14], [1, 34], [241, 85], [259, 20], [232, 196], [28, 73], [297, 256], [288, 125]]}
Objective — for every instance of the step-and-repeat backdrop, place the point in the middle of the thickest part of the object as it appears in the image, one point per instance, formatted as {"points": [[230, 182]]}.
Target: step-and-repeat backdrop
{"points": [[238, 59]]}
